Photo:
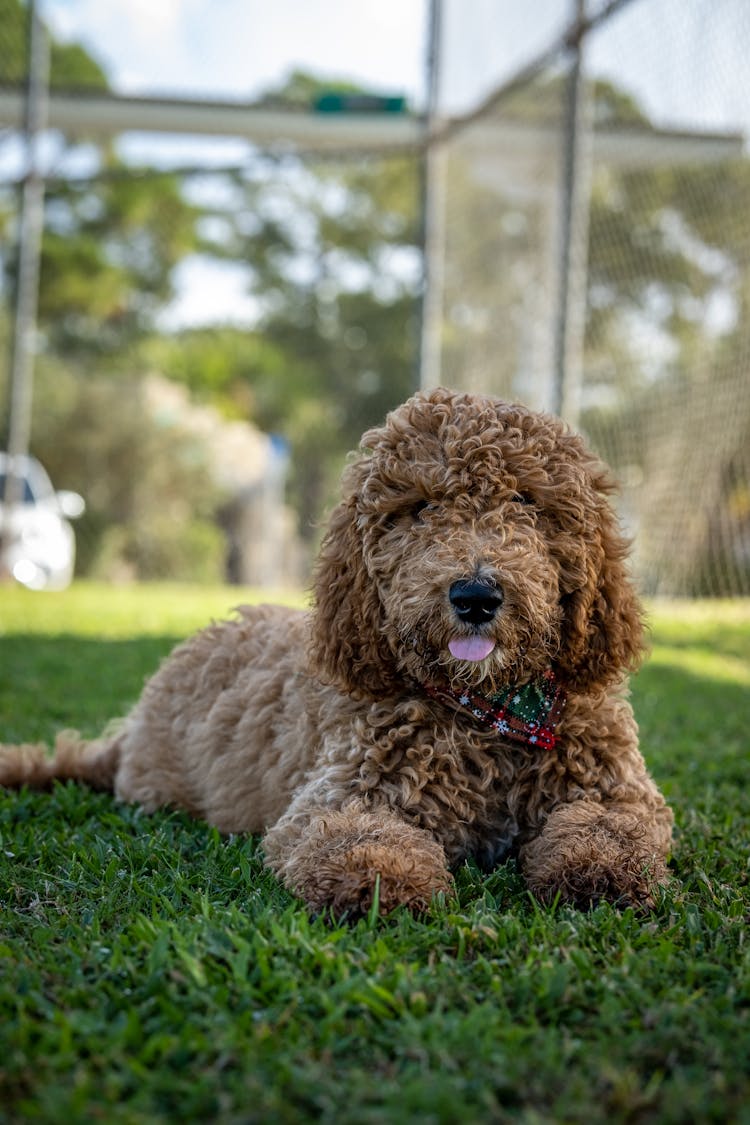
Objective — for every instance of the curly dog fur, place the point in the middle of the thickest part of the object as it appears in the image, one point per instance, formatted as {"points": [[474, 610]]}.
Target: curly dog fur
{"points": [[474, 543]]}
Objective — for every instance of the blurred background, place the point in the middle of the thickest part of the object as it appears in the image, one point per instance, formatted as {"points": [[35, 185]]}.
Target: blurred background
{"points": [[234, 235]]}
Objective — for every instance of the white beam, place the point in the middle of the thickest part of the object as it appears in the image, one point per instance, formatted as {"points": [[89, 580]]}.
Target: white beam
{"points": [[498, 140], [105, 114], [92, 114]]}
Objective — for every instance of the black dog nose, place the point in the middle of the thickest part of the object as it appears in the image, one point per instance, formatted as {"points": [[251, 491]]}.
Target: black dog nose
{"points": [[474, 601]]}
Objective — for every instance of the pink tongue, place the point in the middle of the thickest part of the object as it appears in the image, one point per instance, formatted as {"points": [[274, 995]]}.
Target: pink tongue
{"points": [[470, 648]]}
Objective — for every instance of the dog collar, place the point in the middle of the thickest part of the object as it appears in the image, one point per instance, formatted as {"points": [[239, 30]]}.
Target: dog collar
{"points": [[528, 713]]}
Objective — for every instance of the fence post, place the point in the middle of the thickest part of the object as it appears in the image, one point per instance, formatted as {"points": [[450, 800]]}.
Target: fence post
{"points": [[570, 323], [31, 221], [433, 215]]}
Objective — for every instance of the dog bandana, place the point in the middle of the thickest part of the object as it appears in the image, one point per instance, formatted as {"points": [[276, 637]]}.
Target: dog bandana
{"points": [[529, 713]]}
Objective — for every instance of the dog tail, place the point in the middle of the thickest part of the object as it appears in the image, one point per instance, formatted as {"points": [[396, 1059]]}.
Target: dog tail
{"points": [[74, 759]]}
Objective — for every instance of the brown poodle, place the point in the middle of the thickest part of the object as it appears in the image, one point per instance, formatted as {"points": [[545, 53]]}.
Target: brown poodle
{"points": [[458, 689]]}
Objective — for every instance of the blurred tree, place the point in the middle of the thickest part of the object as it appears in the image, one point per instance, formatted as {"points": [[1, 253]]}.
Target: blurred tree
{"points": [[667, 351], [666, 397], [71, 66], [109, 247], [332, 259], [110, 244], [108, 255], [331, 249], [150, 496], [332, 254]]}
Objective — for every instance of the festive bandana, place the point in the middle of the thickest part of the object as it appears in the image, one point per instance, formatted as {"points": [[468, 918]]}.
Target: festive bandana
{"points": [[527, 714]]}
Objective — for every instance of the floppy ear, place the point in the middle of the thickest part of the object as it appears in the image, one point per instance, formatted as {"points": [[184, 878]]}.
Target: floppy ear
{"points": [[347, 643], [603, 623]]}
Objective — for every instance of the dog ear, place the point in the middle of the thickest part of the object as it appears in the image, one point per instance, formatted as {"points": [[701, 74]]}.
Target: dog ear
{"points": [[347, 643], [603, 623]]}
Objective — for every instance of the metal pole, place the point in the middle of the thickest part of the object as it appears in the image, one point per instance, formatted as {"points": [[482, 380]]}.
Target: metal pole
{"points": [[31, 221], [576, 186], [433, 213]]}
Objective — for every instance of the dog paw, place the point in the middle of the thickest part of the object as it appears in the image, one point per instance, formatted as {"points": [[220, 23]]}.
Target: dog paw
{"points": [[586, 855], [355, 878], [348, 862]]}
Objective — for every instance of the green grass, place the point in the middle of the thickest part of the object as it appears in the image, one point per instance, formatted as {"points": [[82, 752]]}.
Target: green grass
{"points": [[151, 971]]}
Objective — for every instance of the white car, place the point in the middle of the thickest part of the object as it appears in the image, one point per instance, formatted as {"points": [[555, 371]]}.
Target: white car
{"points": [[37, 544]]}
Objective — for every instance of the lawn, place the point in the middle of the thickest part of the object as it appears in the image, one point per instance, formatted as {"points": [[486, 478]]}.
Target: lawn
{"points": [[151, 971]]}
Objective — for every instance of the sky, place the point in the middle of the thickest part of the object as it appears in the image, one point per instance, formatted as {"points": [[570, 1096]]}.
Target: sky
{"points": [[239, 47], [664, 50]]}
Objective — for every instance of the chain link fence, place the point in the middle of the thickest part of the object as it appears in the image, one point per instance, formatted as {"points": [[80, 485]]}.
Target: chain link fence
{"points": [[590, 194], [660, 285]]}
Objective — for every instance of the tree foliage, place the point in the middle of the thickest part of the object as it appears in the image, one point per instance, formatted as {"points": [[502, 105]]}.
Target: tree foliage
{"points": [[330, 250], [150, 496], [332, 258], [666, 338], [670, 264], [110, 243], [71, 66], [108, 256]]}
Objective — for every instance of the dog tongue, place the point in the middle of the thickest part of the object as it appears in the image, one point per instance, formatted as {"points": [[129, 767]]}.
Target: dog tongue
{"points": [[470, 648]]}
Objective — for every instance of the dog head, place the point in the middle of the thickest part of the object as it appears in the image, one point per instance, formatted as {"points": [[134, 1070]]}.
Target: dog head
{"points": [[474, 539]]}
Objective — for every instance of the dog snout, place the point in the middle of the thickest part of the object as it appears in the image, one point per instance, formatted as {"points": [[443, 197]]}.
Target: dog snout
{"points": [[474, 601]]}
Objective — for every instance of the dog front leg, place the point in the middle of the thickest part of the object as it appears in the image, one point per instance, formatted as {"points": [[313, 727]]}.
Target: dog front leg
{"points": [[343, 858], [589, 851]]}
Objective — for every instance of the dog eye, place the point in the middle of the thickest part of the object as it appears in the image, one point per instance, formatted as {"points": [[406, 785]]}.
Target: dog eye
{"points": [[412, 513], [417, 509], [522, 498]]}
